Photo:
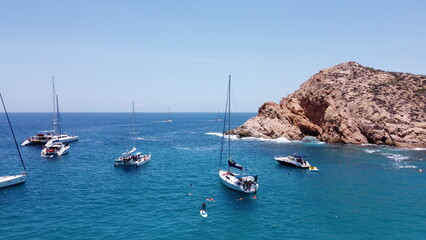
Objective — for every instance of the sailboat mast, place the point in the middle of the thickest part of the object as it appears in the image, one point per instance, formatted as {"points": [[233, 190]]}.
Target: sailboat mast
{"points": [[134, 123], [229, 117], [223, 131], [13, 133], [54, 117], [58, 117]]}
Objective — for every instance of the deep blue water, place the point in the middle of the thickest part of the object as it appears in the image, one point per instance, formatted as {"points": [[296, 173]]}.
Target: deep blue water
{"points": [[361, 192]]}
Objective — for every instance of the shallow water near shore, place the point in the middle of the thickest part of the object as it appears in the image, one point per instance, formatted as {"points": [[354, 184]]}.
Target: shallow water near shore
{"points": [[360, 191]]}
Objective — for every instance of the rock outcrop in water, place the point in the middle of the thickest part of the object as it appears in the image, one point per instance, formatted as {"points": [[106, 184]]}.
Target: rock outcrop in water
{"points": [[348, 103]]}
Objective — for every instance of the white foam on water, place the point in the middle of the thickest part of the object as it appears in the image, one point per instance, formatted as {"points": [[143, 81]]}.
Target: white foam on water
{"points": [[402, 166], [235, 137], [370, 150], [144, 139], [415, 149], [395, 156], [399, 162]]}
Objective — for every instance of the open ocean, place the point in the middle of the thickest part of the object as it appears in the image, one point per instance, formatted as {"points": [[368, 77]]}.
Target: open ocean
{"points": [[360, 191]]}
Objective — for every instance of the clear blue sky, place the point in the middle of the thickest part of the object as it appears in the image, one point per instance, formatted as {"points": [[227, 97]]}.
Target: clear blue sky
{"points": [[104, 54]]}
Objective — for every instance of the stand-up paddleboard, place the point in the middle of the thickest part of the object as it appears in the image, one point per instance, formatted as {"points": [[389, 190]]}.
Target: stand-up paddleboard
{"points": [[203, 213]]}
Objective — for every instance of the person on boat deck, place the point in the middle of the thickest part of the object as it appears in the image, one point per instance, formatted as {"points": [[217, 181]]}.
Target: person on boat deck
{"points": [[203, 206]]}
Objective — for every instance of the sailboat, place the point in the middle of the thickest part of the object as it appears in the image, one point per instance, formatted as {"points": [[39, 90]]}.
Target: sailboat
{"points": [[6, 181], [218, 119], [43, 137], [169, 119], [130, 158], [237, 181]]}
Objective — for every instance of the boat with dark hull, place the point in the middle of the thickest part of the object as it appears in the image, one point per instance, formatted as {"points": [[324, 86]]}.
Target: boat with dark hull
{"points": [[293, 161]]}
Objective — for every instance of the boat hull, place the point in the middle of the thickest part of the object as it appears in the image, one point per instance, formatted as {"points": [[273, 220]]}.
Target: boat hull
{"points": [[63, 138], [290, 164], [63, 150], [234, 183], [284, 161], [8, 181], [145, 160]]}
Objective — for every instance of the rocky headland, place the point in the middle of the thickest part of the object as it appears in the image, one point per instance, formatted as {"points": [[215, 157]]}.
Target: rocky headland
{"points": [[348, 103]]}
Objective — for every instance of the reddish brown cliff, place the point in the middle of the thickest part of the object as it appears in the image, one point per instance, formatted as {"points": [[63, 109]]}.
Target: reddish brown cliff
{"points": [[348, 103]]}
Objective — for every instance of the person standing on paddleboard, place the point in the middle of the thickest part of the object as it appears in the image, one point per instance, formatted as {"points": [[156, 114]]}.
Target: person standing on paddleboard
{"points": [[203, 206]]}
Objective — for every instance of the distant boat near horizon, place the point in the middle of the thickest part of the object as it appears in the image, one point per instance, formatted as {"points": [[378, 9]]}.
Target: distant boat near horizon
{"points": [[7, 181], [47, 137], [240, 182], [218, 119], [169, 119]]}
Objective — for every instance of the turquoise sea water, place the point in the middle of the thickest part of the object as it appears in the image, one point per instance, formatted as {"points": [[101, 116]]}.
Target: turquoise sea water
{"points": [[361, 192]]}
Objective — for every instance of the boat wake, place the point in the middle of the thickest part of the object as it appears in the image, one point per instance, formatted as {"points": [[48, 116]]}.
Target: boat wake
{"points": [[145, 139]]}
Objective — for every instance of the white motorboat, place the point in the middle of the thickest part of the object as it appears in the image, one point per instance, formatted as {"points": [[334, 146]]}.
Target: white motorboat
{"points": [[55, 148], [130, 158], [52, 135], [293, 161], [7, 181], [240, 182]]}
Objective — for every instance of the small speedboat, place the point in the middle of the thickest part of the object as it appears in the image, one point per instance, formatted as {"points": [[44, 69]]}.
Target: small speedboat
{"points": [[55, 148], [293, 161]]}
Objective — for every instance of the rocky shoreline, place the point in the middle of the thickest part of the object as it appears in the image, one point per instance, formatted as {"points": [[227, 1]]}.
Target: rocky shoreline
{"points": [[348, 103]]}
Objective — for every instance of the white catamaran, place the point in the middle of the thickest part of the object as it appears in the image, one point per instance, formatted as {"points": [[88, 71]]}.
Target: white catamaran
{"points": [[6, 181], [130, 158], [237, 181], [44, 137]]}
